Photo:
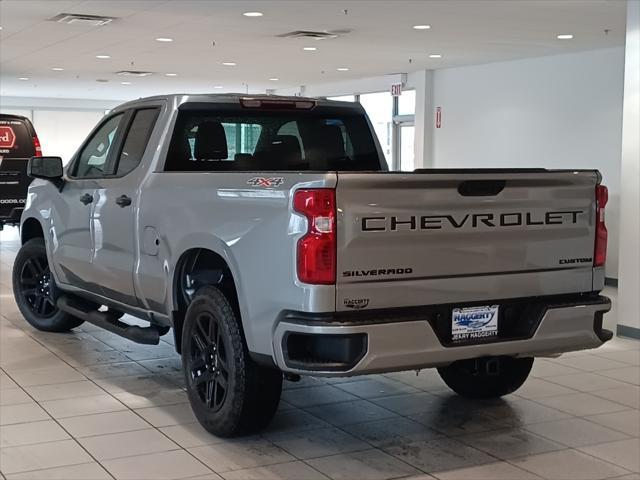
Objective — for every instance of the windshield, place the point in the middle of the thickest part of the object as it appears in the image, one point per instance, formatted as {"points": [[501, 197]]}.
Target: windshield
{"points": [[241, 139]]}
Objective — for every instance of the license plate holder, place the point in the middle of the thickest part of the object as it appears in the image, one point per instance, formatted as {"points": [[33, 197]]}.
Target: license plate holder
{"points": [[474, 324]]}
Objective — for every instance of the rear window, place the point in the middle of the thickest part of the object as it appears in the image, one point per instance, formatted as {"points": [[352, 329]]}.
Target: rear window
{"points": [[15, 139], [248, 140]]}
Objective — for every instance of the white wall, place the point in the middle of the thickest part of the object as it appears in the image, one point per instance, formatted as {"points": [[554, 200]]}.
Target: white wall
{"points": [[61, 124], [561, 111], [629, 278]]}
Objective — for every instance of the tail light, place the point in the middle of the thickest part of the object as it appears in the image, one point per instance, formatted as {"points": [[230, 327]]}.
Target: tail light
{"points": [[600, 251], [36, 145], [316, 252]]}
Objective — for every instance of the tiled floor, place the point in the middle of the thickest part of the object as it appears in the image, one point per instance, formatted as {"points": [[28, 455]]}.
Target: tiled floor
{"points": [[90, 405]]}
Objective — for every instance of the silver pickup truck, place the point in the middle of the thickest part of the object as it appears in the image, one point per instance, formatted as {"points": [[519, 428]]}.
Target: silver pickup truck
{"points": [[267, 233]]}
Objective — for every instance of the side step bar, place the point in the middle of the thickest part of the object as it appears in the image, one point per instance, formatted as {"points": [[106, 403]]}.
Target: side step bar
{"points": [[146, 335]]}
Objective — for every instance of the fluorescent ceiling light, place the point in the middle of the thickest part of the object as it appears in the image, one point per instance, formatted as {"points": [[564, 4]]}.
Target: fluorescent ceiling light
{"points": [[252, 14], [310, 49], [24, 79], [103, 57], [435, 55], [274, 79], [125, 83], [57, 69], [564, 36], [171, 74], [218, 86], [164, 39], [342, 69], [229, 64], [421, 27]]}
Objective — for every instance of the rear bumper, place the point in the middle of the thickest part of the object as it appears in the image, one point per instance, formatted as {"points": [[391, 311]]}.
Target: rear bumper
{"points": [[360, 343]]}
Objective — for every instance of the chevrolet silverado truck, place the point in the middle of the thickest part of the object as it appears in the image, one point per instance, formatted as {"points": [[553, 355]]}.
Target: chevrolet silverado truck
{"points": [[267, 233]]}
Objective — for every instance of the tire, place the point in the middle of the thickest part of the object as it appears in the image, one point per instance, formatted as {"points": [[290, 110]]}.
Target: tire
{"points": [[35, 291], [488, 377], [229, 393]]}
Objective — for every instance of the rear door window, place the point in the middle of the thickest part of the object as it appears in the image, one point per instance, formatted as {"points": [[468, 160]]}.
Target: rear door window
{"points": [[16, 140], [322, 139]]}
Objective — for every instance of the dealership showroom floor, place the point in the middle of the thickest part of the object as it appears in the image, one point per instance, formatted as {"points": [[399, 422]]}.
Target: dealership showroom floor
{"points": [[461, 85]]}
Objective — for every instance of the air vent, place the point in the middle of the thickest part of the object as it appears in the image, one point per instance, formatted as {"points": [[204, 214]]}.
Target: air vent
{"points": [[312, 35], [133, 73], [83, 20]]}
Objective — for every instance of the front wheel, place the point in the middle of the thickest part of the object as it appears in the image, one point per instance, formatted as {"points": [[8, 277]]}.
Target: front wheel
{"points": [[229, 393], [488, 377], [35, 291]]}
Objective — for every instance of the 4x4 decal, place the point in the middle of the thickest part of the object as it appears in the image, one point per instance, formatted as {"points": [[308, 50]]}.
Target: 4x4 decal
{"points": [[265, 182]]}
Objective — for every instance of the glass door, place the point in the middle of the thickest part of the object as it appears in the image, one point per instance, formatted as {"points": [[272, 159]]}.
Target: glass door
{"points": [[406, 137]]}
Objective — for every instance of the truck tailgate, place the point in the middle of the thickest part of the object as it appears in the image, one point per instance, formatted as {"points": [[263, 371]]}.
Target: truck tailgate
{"points": [[463, 236]]}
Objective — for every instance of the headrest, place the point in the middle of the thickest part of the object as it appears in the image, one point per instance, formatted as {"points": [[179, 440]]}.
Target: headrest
{"points": [[211, 142]]}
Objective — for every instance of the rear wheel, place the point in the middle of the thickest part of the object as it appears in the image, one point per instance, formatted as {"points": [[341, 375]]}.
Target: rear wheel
{"points": [[35, 291], [229, 393], [488, 377]]}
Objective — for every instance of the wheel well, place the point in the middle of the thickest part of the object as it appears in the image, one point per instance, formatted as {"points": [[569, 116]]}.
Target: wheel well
{"points": [[31, 228], [196, 268]]}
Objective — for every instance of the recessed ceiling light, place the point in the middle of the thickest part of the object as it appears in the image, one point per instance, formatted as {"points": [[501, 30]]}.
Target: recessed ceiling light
{"points": [[421, 27], [310, 49], [564, 36], [435, 55], [24, 79], [229, 64], [125, 83], [252, 14], [164, 39], [274, 79], [57, 69], [171, 74], [103, 57], [342, 69], [218, 86]]}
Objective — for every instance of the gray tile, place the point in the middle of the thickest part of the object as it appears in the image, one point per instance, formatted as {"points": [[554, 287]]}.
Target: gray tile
{"points": [[293, 420], [588, 362], [369, 464], [350, 412], [410, 403], [127, 444], [568, 465], [539, 388], [85, 471], [42, 455], [240, 454], [625, 453], [490, 471], [391, 432], [631, 357], [114, 370], [190, 435], [14, 396], [103, 423], [312, 396], [575, 432], [627, 374], [543, 368], [171, 465], [586, 382], [455, 422], [439, 454], [582, 404], [168, 415], [318, 443], [629, 395], [510, 443], [30, 433], [627, 421], [72, 407], [376, 388], [22, 413], [61, 391], [281, 471]]}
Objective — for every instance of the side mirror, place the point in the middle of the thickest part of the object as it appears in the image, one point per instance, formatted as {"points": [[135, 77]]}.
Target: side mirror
{"points": [[48, 168]]}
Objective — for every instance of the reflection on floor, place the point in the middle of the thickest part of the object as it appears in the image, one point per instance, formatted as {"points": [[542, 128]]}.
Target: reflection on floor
{"points": [[91, 405]]}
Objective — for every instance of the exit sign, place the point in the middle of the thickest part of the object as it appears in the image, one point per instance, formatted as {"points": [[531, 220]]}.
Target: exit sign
{"points": [[396, 89]]}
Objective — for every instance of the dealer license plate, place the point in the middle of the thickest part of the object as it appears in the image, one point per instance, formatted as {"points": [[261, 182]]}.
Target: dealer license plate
{"points": [[474, 323]]}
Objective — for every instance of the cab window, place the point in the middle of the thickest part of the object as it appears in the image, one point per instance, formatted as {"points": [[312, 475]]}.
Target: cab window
{"points": [[94, 157]]}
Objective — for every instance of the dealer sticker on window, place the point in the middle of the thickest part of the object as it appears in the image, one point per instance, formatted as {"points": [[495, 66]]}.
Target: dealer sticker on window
{"points": [[474, 323]]}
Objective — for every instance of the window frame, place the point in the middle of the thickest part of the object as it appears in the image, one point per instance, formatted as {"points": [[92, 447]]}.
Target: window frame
{"points": [[116, 146], [129, 123]]}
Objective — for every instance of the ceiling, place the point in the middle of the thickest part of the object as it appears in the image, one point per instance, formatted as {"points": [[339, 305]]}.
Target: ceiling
{"points": [[380, 40]]}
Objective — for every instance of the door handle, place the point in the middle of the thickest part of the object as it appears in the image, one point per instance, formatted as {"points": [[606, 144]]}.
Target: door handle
{"points": [[87, 198], [123, 201]]}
